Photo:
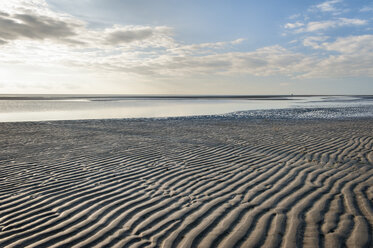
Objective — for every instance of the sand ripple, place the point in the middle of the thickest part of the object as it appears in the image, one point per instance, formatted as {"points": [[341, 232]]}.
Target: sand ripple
{"points": [[187, 183]]}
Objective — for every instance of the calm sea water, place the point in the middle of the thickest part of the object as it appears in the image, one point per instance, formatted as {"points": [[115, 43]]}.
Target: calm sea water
{"points": [[41, 108]]}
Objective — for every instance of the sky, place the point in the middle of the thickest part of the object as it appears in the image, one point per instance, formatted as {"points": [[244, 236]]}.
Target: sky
{"points": [[186, 47]]}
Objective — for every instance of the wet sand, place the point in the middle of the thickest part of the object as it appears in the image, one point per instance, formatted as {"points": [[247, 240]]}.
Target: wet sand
{"points": [[184, 182]]}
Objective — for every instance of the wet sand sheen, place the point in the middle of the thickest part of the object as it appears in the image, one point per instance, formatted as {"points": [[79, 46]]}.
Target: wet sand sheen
{"points": [[187, 183]]}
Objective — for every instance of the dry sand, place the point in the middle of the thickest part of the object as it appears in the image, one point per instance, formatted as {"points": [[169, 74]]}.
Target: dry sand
{"points": [[187, 183]]}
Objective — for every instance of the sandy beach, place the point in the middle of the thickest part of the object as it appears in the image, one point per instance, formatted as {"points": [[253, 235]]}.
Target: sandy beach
{"points": [[187, 182]]}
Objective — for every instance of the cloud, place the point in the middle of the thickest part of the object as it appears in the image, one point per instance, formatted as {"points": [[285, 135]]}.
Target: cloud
{"points": [[17, 6], [127, 36], [328, 6], [32, 26], [237, 41], [316, 26], [294, 25], [33, 20], [3, 14], [135, 36], [314, 41], [354, 58], [366, 9], [201, 48], [361, 44], [295, 16], [34, 36], [342, 66], [266, 61]]}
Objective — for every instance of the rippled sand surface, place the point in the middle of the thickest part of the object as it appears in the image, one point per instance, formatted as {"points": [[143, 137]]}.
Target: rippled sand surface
{"points": [[204, 182]]}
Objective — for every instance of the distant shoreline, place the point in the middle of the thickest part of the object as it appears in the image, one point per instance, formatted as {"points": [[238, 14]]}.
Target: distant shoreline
{"points": [[150, 97], [305, 114], [78, 107]]}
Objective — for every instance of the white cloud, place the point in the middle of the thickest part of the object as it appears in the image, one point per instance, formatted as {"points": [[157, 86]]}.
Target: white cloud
{"points": [[362, 44], [294, 25], [366, 9], [316, 26], [295, 16], [35, 36], [314, 41], [16, 6], [266, 61], [201, 48], [36, 27], [238, 41], [32, 20], [328, 6], [20, 19], [342, 66], [333, 57], [355, 58]]}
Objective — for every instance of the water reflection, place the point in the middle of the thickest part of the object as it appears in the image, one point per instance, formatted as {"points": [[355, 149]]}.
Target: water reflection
{"points": [[104, 108]]}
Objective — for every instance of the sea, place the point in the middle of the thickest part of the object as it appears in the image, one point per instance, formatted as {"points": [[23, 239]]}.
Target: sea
{"points": [[21, 108]]}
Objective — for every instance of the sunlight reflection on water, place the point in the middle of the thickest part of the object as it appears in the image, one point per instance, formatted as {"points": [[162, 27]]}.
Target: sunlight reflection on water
{"points": [[105, 108]]}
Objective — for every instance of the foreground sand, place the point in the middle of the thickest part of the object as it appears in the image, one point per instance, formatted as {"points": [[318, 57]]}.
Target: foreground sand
{"points": [[187, 183]]}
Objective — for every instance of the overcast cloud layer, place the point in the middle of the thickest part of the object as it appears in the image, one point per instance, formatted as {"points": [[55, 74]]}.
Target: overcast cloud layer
{"points": [[31, 34]]}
